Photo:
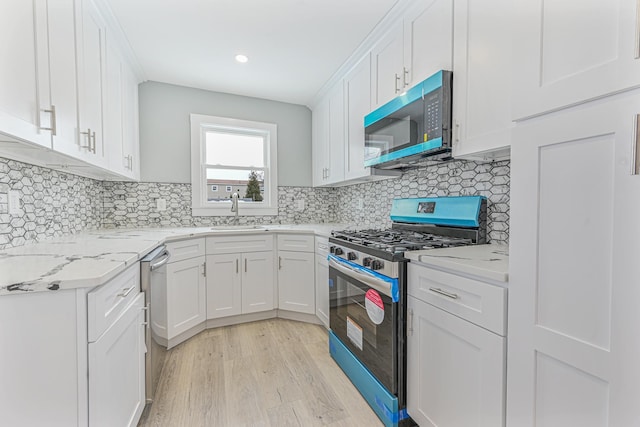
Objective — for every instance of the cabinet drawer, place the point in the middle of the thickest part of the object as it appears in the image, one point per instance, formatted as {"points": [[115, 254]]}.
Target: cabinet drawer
{"points": [[295, 242], [185, 249], [236, 244], [478, 302], [108, 301], [322, 246]]}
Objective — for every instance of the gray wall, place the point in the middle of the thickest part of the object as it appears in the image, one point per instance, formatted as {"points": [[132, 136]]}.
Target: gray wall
{"points": [[165, 135]]}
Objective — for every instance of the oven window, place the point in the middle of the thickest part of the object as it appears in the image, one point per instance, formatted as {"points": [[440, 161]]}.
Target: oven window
{"points": [[365, 322]]}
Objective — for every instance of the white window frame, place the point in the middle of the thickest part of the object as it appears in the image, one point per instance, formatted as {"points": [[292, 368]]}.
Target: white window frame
{"points": [[200, 124], [214, 188]]}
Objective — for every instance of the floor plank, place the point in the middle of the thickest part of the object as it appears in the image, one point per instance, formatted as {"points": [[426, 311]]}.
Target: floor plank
{"points": [[274, 373]]}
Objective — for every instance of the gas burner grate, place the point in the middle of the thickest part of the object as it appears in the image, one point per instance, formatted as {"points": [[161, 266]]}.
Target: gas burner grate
{"points": [[398, 241]]}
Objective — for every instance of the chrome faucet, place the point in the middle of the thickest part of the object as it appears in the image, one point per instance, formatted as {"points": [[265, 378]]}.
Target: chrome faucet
{"points": [[234, 205]]}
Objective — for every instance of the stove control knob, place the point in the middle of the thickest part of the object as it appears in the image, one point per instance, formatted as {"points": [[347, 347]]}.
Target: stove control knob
{"points": [[377, 265], [351, 256], [332, 249], [366, 262], [338, 251]]}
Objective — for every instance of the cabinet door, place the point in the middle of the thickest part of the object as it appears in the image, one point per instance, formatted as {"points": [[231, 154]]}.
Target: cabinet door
{"points": [[428, 40], [19, 92], [114, 114], [320, 142], [386, 66], [455, 370], [130, 133], [186, 295], [357, 93], [116, 371], [62, 74], [335, 171], [296, 281], [569, 51], [224, 293], [257, 282], [482, 72], [573, 282], [322, 289], [91, 36]]}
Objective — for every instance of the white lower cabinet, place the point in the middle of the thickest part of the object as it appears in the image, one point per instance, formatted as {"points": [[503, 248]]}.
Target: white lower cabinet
{"points": [[116, 371], [257, 282], [456, 370], [186, 296], [296, 281], [296, 273], [322, 280]]}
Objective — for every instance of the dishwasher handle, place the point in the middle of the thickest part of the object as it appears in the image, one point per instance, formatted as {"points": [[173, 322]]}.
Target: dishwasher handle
{"points": [[161, 260]]}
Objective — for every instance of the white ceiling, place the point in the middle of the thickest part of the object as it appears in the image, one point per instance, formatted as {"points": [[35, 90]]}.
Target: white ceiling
{"points": [[294, 46]]}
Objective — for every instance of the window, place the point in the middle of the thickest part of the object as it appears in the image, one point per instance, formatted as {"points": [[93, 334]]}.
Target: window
{"points": [[238, 155]]}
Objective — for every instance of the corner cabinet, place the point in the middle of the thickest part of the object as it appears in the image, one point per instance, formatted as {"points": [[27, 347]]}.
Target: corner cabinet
{"points": [[482, 77], [456, 350], [296, 279], [186, 290], [574, 294], [572, 51]]}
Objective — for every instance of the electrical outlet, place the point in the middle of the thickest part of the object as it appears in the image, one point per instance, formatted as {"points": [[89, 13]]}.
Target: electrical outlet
{"points": [[300, 205], [360, 203], [14, 202], [161, 204]]}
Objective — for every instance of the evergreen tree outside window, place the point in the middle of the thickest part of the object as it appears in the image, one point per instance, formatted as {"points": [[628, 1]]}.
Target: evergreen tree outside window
{"points": [[253, 188]]}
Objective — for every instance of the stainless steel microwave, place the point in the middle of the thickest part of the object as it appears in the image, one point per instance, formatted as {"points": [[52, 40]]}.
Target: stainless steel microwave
{"points": [[413, 125]]}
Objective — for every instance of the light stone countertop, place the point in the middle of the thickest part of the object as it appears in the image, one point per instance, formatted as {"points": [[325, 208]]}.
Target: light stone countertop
{"points": [[484, 261], [93, 258]]}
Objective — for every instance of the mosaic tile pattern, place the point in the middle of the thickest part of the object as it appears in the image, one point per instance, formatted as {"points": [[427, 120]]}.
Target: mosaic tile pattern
{"points": [[454, 178], [55, 203], [134, 205], [52, 203]]}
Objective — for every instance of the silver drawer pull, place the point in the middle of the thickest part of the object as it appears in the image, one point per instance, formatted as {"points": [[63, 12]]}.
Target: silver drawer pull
{"points": [[445, 293], [126, 292]]}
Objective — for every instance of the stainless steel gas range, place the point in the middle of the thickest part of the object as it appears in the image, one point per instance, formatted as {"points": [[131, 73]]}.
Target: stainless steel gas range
{"points": [[367, 292]]}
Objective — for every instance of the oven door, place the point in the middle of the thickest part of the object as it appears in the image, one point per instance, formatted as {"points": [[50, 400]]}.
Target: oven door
{"points": [[365, 318]]}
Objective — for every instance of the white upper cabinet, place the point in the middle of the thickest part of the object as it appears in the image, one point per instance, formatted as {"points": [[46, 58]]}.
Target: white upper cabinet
{"points": [[319, 141], [328, 138], [482, 79], [357, 87], [387, 66], [91, 49], [19, 103], [428, 40], [571, 51], [417, 46], [121, 130]]}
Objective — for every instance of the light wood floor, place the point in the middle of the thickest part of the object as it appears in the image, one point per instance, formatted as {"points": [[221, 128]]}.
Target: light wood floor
{"points": [[270, 373]]}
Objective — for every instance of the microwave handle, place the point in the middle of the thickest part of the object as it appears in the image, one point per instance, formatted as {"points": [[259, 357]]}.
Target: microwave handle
{"points": [[374, 282]]}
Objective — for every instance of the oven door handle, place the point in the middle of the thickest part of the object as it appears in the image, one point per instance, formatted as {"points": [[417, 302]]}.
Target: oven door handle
{"points": [[377, 284]]}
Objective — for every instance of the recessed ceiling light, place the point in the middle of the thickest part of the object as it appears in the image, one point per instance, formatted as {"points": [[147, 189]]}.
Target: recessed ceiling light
{"points": [[242, 58]]}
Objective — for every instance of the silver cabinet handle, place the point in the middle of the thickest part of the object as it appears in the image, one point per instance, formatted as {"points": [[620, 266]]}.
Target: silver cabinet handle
{"points": [[397, 77], [279, 263], [634, 145], [445, 293], [146, 314], [53, 126], [204, 269], [93, 136], [88, 133], [457, 131], [126, 292], [237, 268], [130, 157], [410, 322], [245, 265], [405, 74]]}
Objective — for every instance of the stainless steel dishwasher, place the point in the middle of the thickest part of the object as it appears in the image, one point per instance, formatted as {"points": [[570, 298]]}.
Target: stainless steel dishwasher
{"points": [[153, 277]]}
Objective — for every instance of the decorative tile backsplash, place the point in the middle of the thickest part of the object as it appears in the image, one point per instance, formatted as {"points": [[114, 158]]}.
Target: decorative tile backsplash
{"points": [[55, 203], [51, 203], [454, 178], [134, 205]]}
